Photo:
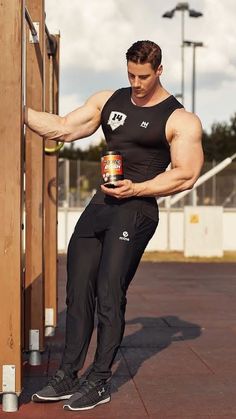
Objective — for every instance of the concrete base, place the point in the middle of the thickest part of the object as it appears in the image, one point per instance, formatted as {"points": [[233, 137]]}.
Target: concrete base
{"points": [[9, 402]]}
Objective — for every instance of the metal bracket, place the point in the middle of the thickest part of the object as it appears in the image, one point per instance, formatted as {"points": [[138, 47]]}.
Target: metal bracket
{"points": [[51, 42], [34, 340], [34, 39], [8, 378], [49, 316]]}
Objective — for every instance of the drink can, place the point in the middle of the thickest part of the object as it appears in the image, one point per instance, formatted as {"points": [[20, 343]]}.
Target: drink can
{"points": [[112, 168]]}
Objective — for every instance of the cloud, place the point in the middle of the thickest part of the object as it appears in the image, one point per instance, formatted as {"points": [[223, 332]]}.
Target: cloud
{"points": [[95, 36], [90, 32], [69, 102], [87, 81]]}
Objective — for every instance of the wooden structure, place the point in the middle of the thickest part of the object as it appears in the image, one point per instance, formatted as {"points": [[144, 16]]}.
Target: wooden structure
{"points": [[34, 167], [51, 188], [28, 249], [11, 167]]}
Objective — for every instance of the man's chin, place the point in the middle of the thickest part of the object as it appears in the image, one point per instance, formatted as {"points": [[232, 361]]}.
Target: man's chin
{"points": [[139, 94]]}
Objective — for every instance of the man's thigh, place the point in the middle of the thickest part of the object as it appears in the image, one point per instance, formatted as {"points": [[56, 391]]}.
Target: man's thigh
{"points": [[123, 246]]}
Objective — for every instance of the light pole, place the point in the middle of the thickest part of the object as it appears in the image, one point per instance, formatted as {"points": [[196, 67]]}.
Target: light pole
{"points": [[194, 45], [182, 7]]}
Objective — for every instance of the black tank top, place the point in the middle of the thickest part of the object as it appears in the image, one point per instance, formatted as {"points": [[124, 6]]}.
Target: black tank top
{"points": [[138, 133]]}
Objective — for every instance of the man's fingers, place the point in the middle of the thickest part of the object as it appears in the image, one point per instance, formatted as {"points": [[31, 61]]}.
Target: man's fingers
{"points": [[119, 183], [122, 189]]}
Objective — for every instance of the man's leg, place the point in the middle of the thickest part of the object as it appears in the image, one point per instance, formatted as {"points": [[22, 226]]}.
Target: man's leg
{"points": [[82, 265], [123, 246]]}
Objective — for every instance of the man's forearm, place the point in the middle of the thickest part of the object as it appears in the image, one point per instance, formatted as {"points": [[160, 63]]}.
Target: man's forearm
{"points": [[167, 183], [47, 125]]}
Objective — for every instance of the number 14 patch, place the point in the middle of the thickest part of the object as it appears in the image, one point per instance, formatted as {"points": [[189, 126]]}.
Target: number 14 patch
{"points": [[116, 119]]}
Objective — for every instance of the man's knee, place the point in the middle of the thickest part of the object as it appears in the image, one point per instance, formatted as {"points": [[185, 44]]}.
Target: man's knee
{"points": [[111, 306]]}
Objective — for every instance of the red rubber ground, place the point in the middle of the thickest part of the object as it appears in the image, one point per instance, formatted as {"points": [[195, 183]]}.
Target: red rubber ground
{"points": [[178, 356]]}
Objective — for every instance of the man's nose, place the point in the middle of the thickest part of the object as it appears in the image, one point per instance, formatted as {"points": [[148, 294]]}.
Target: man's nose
{"points": [[136, 82]]}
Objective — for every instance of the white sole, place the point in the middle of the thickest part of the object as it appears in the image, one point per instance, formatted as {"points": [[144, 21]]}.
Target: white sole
{"points": [[68, 407], [53, 399]]}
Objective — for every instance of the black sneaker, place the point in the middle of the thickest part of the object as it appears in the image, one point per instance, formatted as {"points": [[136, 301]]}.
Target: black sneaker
{"points": [[89, 395], [60, 387]]}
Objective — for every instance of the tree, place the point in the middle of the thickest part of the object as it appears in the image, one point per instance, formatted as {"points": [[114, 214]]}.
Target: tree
{"points": [[221, 142], [93, 153]]}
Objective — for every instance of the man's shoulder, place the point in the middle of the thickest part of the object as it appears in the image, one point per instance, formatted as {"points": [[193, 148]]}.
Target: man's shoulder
{"points": [[183, 124], [110, 93], [100, 98], [182, 117], [123, 92], [103, 95]]}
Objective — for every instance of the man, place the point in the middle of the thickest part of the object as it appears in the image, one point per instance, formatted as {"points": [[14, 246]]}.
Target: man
{"points": [[150, 128]]}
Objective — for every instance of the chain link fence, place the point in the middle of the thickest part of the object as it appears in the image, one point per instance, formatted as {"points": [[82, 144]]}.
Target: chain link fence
{"points": [[79, 180]]}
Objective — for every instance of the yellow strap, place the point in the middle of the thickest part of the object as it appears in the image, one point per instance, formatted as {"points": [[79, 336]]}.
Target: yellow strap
{"points": [[55, 149]]}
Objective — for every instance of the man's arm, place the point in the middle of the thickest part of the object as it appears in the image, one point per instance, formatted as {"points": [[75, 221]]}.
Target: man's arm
{"points": [[80, 123], [186, 162]]}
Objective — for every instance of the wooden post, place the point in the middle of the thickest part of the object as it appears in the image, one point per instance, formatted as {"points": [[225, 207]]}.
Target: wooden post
{"points": [[11, 174], [34, 278], [50, 195]]}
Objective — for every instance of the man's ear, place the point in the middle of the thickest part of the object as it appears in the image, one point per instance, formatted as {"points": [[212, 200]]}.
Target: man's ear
{"points": [[159, 70]]}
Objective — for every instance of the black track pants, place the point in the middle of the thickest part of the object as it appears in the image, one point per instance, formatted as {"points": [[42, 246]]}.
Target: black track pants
{"points": [[103, 255]]}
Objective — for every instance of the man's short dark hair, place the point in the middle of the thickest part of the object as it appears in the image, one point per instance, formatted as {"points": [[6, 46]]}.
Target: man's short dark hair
{"points": [[142, 52]]}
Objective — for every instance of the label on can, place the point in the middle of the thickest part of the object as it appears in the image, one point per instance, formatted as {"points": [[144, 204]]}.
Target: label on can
{"points": [[111, 166]]}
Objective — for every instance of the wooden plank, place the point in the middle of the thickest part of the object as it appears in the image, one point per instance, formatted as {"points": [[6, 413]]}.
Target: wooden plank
{"points": [[51, 195], [34, 275], [11, 174], [56, 67]]}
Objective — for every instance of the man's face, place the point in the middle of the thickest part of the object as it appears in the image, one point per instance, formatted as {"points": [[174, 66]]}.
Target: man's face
{"points": [[142, 78]]}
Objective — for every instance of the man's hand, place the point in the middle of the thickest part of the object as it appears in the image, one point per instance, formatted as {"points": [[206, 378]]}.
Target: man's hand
{"points": [[123, 189]]}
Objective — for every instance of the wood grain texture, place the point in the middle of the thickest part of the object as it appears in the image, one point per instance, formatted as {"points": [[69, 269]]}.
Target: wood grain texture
{"points": [[11, 173]]}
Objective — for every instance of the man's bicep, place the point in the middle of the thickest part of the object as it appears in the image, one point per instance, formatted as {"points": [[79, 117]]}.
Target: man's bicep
{"points": [[186, 147], [83, 121]]}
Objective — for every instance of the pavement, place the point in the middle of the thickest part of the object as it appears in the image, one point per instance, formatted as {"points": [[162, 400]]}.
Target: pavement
{"points": [[177, 359]]}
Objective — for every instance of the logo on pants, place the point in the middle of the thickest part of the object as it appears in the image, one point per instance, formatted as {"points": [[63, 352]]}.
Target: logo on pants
{"points": [[125, 236]]}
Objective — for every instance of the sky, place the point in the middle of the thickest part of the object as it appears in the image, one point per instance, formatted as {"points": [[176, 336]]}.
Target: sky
{"points": [[95, 35]]}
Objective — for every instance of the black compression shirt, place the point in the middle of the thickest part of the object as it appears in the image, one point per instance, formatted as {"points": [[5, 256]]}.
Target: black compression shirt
{"points": [[138, 133]]}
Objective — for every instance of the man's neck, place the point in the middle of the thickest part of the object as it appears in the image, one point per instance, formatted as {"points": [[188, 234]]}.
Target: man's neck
{"points": [[153, 98]]}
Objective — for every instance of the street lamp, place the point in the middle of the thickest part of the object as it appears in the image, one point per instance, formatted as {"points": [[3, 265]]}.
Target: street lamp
{"points": [[182, 7], [194, 45]]}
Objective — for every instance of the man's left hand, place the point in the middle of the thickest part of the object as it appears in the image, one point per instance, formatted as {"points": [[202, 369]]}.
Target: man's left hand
{"points": [[123, 189]]}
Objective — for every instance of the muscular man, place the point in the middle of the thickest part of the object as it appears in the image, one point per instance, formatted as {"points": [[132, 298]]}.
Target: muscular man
{"points": [[150, 128]]}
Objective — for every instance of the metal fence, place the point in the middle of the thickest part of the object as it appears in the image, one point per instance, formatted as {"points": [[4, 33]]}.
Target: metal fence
{"points": [[79, 180]]}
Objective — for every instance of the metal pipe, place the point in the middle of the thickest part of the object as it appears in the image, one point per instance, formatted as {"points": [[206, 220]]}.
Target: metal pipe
{"points": [[182, 55], [30, 23], [182, 7], [204, 178], [194, 78], [47, 32]]}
